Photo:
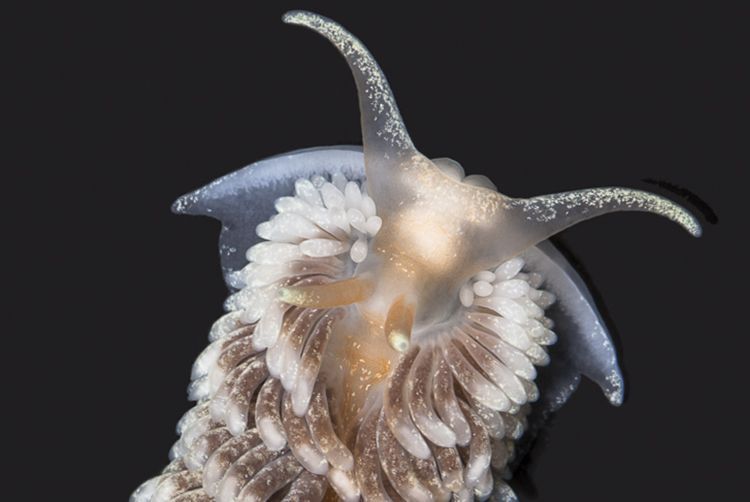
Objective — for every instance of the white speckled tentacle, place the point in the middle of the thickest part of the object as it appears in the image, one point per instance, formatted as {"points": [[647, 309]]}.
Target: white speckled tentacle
{"points": [[568, 208], [383, 131], [523, 223]]}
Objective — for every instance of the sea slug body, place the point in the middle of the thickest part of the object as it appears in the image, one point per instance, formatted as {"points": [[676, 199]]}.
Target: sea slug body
{"points": [[388, 323]]}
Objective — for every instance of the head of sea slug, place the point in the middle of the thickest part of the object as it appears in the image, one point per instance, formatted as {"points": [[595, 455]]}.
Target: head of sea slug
{"points": [[440, 228]]}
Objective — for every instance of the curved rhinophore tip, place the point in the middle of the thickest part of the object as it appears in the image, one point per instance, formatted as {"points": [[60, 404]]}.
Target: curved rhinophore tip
{"points": [[522, 223], [384, 135], [568, 208]]}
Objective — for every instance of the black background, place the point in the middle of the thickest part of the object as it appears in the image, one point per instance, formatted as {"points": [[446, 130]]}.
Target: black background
{"points": [[116, 110]]}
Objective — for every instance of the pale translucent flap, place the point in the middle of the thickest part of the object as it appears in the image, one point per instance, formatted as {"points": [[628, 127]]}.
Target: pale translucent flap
{"points": [[584, 345], [584, 341], [243, 199]]}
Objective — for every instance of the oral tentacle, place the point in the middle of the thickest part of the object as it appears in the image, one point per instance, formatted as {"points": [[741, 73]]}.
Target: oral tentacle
{"points": [[334, 294], [398, 324]]}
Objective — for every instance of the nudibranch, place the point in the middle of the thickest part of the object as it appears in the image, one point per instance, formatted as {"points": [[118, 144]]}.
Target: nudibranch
{"points": [[387, 320]]}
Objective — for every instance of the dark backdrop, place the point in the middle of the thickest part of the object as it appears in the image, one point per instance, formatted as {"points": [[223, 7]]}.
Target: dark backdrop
{"points": [[117, 110]]}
